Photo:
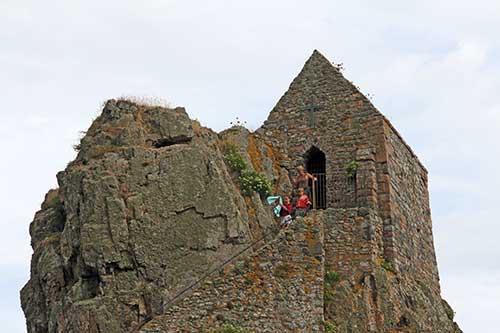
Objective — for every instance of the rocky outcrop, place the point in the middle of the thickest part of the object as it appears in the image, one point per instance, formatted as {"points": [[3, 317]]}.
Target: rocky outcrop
{"points": [[146, 208], [158, 226]]}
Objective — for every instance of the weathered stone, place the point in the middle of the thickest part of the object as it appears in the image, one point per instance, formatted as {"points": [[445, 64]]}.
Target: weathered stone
{"points": [[134, 222], [149, 231]]}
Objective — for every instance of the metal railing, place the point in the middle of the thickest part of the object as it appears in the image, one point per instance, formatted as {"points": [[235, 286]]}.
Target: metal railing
{"points": [[319, 191]]}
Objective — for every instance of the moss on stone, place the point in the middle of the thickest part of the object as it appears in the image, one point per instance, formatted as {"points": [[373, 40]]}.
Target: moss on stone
{"points": [[330, 327]]}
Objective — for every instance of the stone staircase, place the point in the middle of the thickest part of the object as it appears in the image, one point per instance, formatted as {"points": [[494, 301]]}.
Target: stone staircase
{"points": [[277, 288]]}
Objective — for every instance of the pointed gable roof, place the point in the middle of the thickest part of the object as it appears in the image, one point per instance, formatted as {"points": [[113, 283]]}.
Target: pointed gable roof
{"points": [[321, 81], [338, 99]]}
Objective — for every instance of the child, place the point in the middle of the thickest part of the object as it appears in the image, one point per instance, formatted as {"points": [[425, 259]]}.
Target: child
{"points": [[303, 203], [286, 212]]}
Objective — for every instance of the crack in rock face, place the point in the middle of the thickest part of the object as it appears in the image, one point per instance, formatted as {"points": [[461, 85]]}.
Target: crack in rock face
{"points": [[165, 142], [153, 201], [132, 223]]}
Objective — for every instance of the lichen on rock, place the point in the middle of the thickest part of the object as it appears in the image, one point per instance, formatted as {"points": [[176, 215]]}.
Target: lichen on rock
{"points": [[152, 230], [146, 208]]}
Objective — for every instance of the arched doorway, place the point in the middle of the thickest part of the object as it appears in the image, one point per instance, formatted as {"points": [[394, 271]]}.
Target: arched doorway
{"points": [[316, 165]]}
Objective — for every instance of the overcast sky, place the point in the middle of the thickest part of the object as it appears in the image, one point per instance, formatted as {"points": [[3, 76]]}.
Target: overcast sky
{"points": [[433, 68]]}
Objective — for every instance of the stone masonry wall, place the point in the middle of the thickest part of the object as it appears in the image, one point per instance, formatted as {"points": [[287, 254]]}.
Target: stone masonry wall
{"points": [[349, 128], [370, 295], [277, 289], [353, 241], [410, 223], [345, 122]]}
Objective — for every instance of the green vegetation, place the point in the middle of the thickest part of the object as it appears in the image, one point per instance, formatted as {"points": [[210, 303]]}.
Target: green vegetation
{"points": [[238, 122], [233, 159], [387, 266], [52, 202], [352, 169], [327, 296], [448, 310], [250, 180], [228, 328], [331, 277], [330, 327]]}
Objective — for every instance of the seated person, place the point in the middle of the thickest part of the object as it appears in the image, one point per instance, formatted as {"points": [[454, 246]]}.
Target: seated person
{"points": [[286, 212], [303, 203]]}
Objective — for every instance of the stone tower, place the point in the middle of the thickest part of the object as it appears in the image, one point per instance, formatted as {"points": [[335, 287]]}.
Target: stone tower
{"points": [[149, 230], [386, 175], [366, 172]]}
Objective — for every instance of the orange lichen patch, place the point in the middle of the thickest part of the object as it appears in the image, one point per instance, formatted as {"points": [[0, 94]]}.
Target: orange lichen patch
{"points": [[357, 103], [295, 252], [311, 239], [255, 154], [309, 277], [274, 156], [250, 208], [139, 117], [255, 228], [252, 278], [114, 131], [197, 128], [286, 271]]}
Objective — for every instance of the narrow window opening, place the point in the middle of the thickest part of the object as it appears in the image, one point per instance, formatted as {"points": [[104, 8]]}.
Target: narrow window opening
{"points": [[316, 165]]}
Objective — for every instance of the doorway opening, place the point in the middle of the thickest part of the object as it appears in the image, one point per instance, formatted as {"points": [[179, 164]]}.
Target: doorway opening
{"points": [[316, 165]]}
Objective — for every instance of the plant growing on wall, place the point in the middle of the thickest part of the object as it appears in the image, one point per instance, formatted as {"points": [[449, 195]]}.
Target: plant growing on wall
{"points": [[387, 266], [330, 327], [250, 180], [233, 159], [331, 277], [238, 122], [352, 169]]}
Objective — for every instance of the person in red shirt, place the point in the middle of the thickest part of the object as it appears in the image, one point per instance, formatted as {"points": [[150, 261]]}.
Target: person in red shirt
{"points": [[303, 203], [286, 212]]}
